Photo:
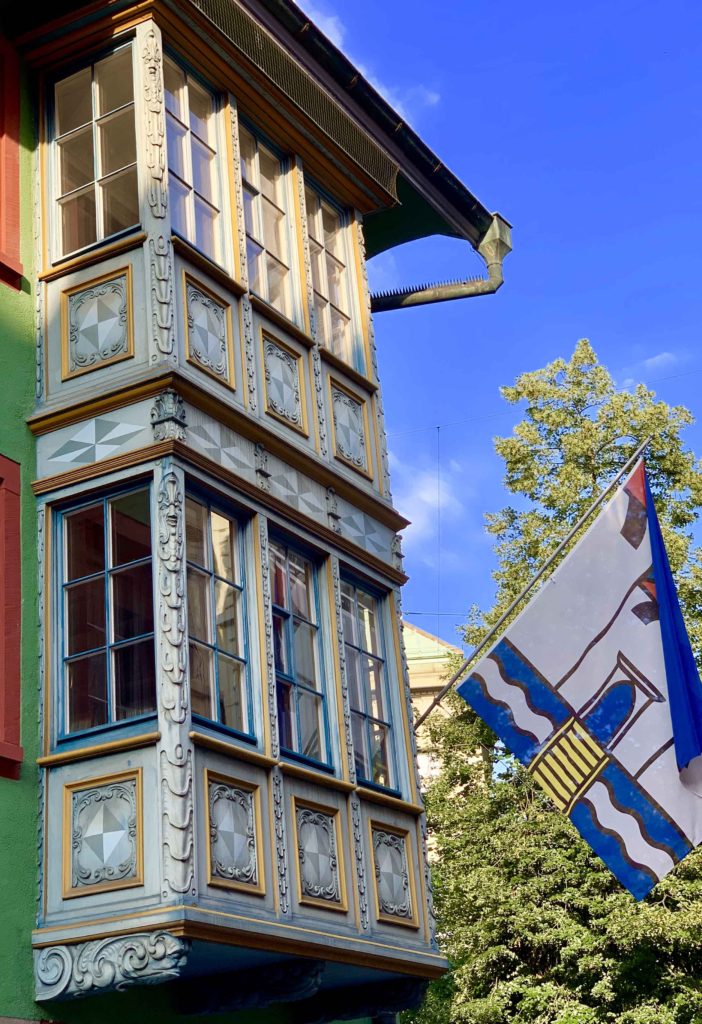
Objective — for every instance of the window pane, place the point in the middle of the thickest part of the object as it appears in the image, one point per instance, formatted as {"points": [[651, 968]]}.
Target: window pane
{"points": [[304, 641], [176, 136], [196, 532], [360, 746], [232, 707], [269, 168], [204, 170], [247, 150], [178, 196], [74, 104], [117, 141], [201, 680], [374, 682], [224, 546], [348, 613], [277, 284], [273, 224], [335, 277], [312, 208], [339, 334], [309, 707], [132, 602], [316, 254], [174, 80], [114, 79], [250, 212], [332, 232], [280, 643], [301, 586], [76, 166], [379, 755], [285, 715], [201, 111], [227, 613], [198, 605], [321, 319], [278, 576], [135, 680], [85, 616], [87, 693], [353, 677], [131, 527], [77, 215], [120, 202], [366, 614], [254, 261], [206, 231], [85, 542]]}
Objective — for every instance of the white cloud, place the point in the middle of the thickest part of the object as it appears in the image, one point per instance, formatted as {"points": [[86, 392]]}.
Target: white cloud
{"points": [[408, 103], [419, 498], [660, 361], [383, 273]]}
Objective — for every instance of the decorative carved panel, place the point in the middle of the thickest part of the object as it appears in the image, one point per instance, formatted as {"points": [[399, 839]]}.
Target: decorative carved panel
{"points": [[350, 423], [234, 843], [394, 887], [320, 862], [284, 383], [102, 834], [208, 332], [96, 324]]}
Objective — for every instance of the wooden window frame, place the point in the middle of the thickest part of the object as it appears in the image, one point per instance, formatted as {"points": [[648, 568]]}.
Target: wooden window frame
{"points": [[11, 270], [11, 753]]}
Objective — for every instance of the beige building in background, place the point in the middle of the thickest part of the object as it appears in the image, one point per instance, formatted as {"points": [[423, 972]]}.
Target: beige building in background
{"points": [[428, 659]]}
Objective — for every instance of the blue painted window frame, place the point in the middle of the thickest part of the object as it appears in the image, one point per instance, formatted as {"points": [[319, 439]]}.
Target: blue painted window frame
{"points": [[62, 731], [221, 507], [380, 601], [283, 542]]}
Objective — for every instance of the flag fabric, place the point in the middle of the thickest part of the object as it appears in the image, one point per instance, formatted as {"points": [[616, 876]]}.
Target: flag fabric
{"points": [[594, 687]]}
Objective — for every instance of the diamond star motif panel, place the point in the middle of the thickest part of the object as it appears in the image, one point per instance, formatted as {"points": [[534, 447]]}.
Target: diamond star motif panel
{"points": [[97, 439], [284, 398], [318, 857], [392, 876], [208, 332], [349, 419], [97, 325], [105, 835], [235, 856]]}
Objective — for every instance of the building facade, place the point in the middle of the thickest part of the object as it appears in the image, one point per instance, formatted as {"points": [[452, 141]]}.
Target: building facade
{"points": [[226, 812], [429, 661]]}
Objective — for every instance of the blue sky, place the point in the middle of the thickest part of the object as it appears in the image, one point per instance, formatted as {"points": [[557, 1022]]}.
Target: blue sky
{"points": [[582, 125]]}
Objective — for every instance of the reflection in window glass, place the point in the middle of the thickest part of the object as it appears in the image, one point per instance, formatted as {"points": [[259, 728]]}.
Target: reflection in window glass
{"points": [[193, 177], [265, 221], [108, 616], [365, 671], [330, 276], [218, 677], [95, 152], [301, 701]]}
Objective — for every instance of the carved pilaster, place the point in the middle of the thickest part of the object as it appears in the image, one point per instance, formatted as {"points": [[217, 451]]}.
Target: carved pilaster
{"points": [[247, 317], [380, 415], [113, 964], [168, 417], [338, 624], [263, 474], [333, 516], [281, 845], [151, 131], [175, 750], [240, 240], [268, 635], [359, 861]]}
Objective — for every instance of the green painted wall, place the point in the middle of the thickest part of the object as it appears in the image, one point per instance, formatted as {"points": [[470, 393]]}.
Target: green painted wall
{"points": [[18, 800]]}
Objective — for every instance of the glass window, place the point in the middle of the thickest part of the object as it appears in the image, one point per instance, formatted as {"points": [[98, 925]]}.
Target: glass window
{"points": [[330, 276], [366, 675], [216, 617], [266, 223], [301, 700], [108, 612], [95, 147], [193, 175]]}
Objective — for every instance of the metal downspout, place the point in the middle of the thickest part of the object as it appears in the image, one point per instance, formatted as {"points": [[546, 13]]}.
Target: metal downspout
{"points": [[496, 244]]}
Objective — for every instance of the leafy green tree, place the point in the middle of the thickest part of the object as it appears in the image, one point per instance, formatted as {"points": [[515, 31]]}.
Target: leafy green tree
{"points": [[537, 929]]}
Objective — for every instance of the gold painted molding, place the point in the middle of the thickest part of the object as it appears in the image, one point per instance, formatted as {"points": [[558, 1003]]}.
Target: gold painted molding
{"points": [[121, 272], [259, 889], [231, 750], [148, 739], [88, 259]]}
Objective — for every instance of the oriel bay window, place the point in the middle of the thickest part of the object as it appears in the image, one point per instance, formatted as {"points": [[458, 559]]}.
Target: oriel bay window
{"points": [[266, 223], [330, 276], [216, 617], [367, 683], [301, 701], [95, 153], [107, 610], [193, 172]]}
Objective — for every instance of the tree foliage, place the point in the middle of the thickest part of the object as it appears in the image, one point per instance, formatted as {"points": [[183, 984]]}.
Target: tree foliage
{"points": [[536, 928]]}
